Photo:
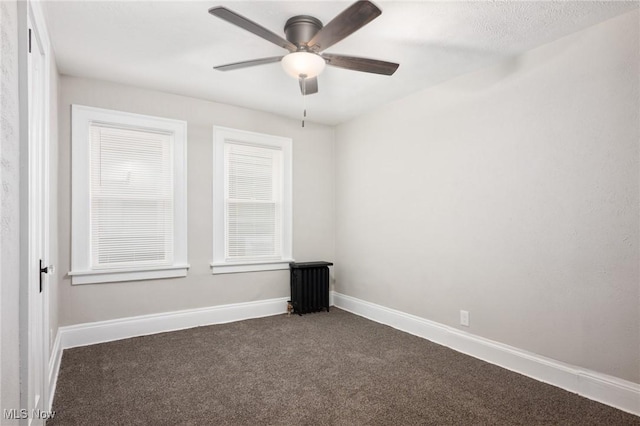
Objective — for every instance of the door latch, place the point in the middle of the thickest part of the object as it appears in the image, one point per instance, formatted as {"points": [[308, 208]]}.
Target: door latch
{"points": [[45, 270]]}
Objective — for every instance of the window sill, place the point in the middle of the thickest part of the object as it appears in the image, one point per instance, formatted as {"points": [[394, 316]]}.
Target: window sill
{"points": [[233, 268], [116, 275]]}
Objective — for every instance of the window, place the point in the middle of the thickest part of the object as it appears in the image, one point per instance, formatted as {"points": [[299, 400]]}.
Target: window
{"points": [[129, 206], [251, 201]]}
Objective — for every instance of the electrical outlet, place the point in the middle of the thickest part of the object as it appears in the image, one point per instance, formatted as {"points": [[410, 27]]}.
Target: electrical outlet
{"points": [[464, 318]]}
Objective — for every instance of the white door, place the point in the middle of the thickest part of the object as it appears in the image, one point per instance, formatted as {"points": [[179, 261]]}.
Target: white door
{"points": [[38, 225]]}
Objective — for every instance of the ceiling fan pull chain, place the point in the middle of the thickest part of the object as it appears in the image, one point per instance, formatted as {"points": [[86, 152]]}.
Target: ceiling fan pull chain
{"points": [[303, 79]]}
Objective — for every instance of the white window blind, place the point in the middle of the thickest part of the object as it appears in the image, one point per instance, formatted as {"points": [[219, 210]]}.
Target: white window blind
{"points": [[131, 197], [253, 202]]}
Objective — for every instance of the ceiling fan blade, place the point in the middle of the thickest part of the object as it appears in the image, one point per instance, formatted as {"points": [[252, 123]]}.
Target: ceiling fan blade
{"points": [[246, 64], [244, 23], [361, 64], [308, 86], [346, 23]]}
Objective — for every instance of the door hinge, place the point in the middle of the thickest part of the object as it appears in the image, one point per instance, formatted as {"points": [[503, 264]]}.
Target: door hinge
{"points": [[29, 40]]}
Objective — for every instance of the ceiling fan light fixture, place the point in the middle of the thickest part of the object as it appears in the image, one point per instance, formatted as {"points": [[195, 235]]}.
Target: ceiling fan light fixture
{"points": [[305, 64]]}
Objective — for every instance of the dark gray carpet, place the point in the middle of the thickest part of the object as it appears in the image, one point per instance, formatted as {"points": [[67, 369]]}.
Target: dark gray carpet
{"points": [[325, 368]]}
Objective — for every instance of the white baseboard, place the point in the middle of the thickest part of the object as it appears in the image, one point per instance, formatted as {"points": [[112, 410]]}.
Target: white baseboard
{"points": [[124, 328], [609, 390], [107, 331], [54, 369]]}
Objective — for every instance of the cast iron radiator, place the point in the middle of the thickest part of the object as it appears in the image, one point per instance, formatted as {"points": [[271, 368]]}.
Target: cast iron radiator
{"points": [[309, 286]]}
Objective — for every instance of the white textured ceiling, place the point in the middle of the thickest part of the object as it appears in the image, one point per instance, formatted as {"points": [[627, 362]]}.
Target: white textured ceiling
{"points": [[172, 47]]}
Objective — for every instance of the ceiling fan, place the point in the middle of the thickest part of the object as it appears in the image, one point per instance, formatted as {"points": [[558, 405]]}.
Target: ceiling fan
{"points": [[306, 38]]}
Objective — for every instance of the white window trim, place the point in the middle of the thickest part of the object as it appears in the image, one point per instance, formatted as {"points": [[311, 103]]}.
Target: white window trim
{"points": [[220, 265], [81, 119]]}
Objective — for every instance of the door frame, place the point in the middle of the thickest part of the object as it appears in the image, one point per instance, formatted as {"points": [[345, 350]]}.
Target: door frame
{"points": [[31, 12]]}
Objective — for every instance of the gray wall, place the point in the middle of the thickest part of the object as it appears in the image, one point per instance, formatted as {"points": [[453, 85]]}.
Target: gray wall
{"points": [[9, 208], [512, 193], [313, 205]]}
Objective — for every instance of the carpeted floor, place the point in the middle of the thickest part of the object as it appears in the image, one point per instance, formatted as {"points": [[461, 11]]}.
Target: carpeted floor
{"points": [[319, 369]]}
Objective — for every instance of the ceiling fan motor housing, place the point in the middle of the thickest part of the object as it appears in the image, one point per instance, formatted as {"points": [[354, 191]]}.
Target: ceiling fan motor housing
{"points": [[300, 29]]}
